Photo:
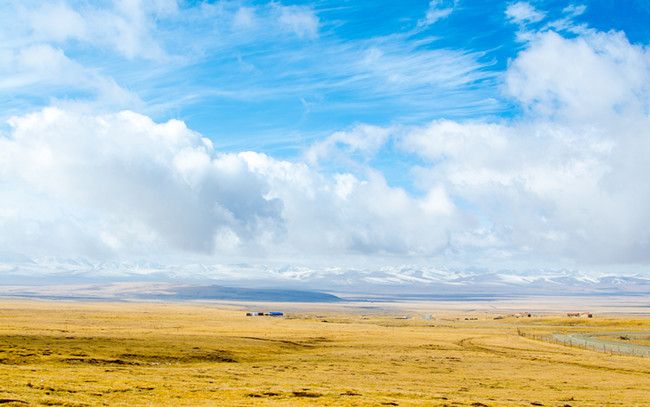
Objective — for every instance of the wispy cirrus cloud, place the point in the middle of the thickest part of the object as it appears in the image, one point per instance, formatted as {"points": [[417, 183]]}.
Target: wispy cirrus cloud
{"points": [[41, 74], [301, 20], [127, 28], [157, 57], [438, 9], [523, 12]]}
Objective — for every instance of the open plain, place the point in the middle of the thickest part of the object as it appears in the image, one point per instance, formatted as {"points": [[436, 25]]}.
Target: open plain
{"points": [[354, 354]]}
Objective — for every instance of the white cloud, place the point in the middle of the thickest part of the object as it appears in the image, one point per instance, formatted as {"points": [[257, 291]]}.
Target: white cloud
{"points": [[411, 74], [567, 23], [300, 20], [41, 63], [591, 77], [135, 54], [567, 182], [160, 8], [58, 22], [129, 28], [363, 140], [573, 10], [37, 69], [438, 10], [121, 180], [523, 12], [526, 16], [343, 215], [244, 18], [122, 185]]}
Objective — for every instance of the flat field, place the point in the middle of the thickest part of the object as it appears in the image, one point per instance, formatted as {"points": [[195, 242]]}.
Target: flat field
{"points": [[206, 354]]}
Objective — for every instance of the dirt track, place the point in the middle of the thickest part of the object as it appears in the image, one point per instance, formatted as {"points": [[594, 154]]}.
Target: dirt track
{"points": [[589, 341]]}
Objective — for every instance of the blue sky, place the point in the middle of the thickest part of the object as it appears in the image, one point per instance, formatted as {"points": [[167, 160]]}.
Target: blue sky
{"points": [[264, 85], [490, 134]]}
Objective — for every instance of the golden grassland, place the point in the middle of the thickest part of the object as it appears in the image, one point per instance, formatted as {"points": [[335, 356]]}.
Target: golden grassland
{"points": [[206, 354]]}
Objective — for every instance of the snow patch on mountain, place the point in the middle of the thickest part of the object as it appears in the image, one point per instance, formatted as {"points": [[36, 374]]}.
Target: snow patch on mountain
{"points": [[393, 279]]}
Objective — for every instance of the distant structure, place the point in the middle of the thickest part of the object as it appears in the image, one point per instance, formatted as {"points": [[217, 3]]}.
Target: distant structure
{"points": [[517, 315], [580, 314], [261, 314]]}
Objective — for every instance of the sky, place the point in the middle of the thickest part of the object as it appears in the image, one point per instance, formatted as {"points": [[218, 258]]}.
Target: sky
{"points": [[327, 134]]}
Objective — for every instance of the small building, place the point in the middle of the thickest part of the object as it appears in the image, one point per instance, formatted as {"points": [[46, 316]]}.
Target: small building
{"points": [[580, 314]]}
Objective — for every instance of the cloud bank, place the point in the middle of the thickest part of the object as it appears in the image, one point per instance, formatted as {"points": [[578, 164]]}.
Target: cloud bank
{"points": [[562, 183], [121, 182]]}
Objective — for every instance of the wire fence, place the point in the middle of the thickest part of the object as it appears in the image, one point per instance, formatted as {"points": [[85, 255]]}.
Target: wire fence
{"points": [[585, 341]]}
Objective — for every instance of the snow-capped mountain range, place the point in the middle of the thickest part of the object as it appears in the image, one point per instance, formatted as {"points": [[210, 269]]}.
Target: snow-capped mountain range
{"points": [[396, 280]]}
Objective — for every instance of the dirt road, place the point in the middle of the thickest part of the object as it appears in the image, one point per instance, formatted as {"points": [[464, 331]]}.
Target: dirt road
{"points": [[595, 342]]}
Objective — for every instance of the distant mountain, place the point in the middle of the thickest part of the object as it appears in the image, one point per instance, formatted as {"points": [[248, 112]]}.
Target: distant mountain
{"points": [[164, 291], [215, 292], [209, 280]]}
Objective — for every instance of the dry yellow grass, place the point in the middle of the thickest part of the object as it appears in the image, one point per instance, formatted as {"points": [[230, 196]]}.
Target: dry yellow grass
{"points": [[148, 354]]}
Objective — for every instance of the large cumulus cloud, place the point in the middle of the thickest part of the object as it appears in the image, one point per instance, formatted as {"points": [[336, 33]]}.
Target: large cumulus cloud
{"points": [[344, 214], [116, 184], [567, 180], [122, 182]]}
